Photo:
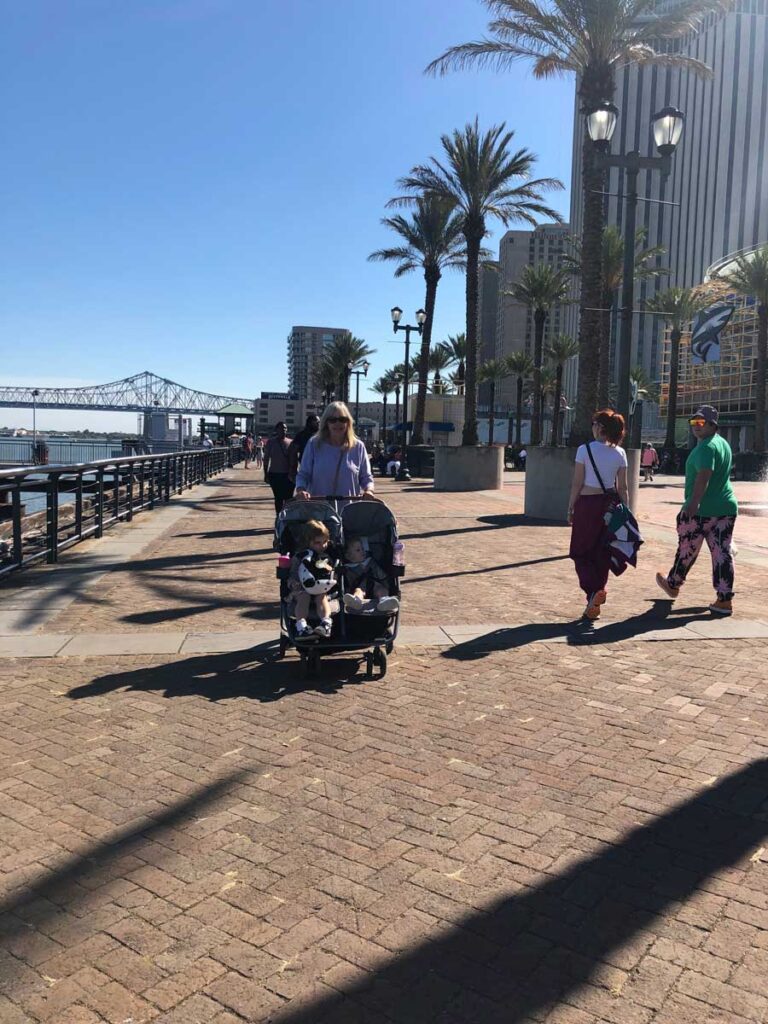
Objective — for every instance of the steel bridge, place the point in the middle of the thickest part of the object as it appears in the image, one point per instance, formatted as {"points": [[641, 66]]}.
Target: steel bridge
{"points": [[144, 391]]}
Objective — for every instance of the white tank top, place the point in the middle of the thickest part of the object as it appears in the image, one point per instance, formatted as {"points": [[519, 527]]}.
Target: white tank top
{"points": [[608, 459]]}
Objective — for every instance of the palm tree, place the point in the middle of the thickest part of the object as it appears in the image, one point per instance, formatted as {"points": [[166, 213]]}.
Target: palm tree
{"points": [[484, 179], [644, 390], [456, 347], [520, 366], [493, 371], [439, 359], [384, 386], [548, 378], [678, 306], [561, 349], [593, 41], [343, 354], [539, 287], [750, 277], [612, 262], [433, 242]]}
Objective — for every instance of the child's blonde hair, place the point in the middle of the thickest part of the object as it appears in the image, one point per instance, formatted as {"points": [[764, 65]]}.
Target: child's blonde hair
{"points": [[312, 530]]}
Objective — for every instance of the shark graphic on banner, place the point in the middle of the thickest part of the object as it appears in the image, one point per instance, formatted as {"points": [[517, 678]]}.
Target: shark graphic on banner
{"points": [[705, 336]]}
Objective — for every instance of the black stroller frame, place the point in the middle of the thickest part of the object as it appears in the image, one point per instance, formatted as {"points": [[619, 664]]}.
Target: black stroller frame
{"points": [[371, 635]]}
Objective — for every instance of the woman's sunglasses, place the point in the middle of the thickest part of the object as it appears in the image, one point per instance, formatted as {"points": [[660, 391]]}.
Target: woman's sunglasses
{"points": [[337, 419]]}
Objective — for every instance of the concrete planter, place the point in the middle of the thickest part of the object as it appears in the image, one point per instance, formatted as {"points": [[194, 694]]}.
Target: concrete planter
{"points": [[471, 468], [548, 476]]}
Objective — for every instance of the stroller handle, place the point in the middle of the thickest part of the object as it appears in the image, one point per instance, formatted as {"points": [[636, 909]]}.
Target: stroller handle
{"points": [[339, 497]]}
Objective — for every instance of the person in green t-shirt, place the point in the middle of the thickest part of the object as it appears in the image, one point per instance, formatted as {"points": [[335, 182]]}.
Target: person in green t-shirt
{"points": [[709, 513]]}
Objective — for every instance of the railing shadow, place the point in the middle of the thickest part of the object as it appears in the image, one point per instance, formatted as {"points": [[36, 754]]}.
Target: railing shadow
{"points": [[520, 957]]}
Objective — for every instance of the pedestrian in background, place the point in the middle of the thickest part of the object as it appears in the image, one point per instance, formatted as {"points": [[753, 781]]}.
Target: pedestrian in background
{"points": [[709, 513], [248, 449], [258, 452], [599, 478], [276, 465], [649, 460], [299, 443]]}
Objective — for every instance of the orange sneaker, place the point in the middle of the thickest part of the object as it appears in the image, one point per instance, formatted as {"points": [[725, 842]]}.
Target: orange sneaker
{"points": [[671, 592], [592, 611], [721, 607]]}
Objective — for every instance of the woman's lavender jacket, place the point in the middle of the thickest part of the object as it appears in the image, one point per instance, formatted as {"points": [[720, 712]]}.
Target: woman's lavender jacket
{"points": [[317, 471]]}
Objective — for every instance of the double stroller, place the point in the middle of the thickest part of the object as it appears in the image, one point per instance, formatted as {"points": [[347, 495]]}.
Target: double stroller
{"points": [[372, 635]]}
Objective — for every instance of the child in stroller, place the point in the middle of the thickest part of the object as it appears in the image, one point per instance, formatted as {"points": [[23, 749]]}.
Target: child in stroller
{"points": [[364, 579], [311, 579]]}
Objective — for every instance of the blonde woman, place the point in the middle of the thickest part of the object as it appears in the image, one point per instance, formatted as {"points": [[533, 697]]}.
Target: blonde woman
{"points": [[334, 461]]}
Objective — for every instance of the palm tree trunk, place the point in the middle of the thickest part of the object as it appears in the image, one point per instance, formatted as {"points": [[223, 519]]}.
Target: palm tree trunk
{"points": [[474, 239], [556, 411], [593, 185], [432, 277], [604, 373], [385, 418], [519, 413], [762, 359], [674, 369], [490, 415], [539, 318], [542, 409]]}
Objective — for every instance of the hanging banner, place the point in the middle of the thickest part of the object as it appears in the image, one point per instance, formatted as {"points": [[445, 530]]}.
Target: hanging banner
{"points": [[705, 336]]}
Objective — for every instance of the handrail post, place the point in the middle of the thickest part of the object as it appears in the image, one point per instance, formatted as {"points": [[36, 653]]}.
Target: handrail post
{"points": [[116, 495], [52, 518], [167, 481], [79, 506], [129, 489], [17, 542], [100, 502]]}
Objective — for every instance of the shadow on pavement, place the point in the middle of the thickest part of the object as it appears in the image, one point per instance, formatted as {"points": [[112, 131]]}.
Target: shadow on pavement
{"points": [[579, 632], [256, 674], [518, 958], [487, 568], [501, 522]]}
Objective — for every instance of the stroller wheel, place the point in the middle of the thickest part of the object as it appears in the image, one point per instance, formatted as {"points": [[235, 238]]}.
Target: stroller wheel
{"points": [[283, 646], [380, 660], [311, 663]]}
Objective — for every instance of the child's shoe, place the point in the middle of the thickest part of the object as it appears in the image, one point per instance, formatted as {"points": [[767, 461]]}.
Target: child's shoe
{"points": [[722, 606], [388, 605], [353, 603], [323, 629], [305, 632]]}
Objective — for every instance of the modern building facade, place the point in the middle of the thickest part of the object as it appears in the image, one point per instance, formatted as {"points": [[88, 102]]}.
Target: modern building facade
{"points": [[715, 200], [305, 352], [547, 244]]}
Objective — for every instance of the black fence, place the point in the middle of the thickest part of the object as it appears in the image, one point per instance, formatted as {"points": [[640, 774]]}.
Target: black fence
{"points": [[84, 500]]}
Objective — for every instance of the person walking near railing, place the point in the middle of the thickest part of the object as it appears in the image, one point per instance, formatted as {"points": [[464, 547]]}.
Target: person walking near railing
{"points": [[248, 449], [276, 465], [300, 442]]}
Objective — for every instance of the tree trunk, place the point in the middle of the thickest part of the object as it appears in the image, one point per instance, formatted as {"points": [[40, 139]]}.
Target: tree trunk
{"points": [[593, 185], [762, 359], [519, 416], [556, 411], [539, 319], [490, 414], [460, 373], [432, 278], [474, 239], [604, 374], [385, 418], [674, 369]]}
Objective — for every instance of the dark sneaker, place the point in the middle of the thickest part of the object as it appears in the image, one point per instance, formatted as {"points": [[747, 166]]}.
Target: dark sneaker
{"points": [[721, 607], [671, 592], [323, 629], [305, 633], [388, 605]]}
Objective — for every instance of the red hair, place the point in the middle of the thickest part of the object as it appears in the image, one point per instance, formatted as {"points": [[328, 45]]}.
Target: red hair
{"points": [[611, 423]]}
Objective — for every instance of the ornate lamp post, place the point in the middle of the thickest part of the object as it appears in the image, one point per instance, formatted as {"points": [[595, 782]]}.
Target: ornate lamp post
{"points": [[667, 126], [362, 372], [421, 316]]}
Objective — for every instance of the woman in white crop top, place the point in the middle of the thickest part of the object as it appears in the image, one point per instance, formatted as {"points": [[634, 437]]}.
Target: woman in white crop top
{"points": [[594, 488]]}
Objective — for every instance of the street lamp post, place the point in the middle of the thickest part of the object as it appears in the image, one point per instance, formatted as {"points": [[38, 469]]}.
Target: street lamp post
{"points": [[421, 316], [667, 128], [362, 372], [35, 393], [398, 380]]}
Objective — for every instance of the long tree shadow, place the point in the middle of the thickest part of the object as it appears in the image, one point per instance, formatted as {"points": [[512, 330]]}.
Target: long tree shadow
{"points": [[485, 569], [255, 674], [55, 889], [521, 956], [577, 632], [498, 522]]}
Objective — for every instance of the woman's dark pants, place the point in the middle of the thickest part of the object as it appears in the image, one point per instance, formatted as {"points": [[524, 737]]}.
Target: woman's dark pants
{"points": [[590, 554], [282, 488]]}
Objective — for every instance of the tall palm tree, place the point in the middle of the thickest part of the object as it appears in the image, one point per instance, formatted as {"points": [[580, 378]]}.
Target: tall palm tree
{"points": [[561, 349], [612, 262], [593, 41], [493, 371], [342, 354], [678, 306], [384, 386], [456, 347], [439, 359], [540, 287], [485, 180], [520, 366], [750, 278], [433, 242]]}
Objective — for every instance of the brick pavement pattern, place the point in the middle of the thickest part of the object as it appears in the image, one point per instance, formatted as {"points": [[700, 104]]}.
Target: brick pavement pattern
{"points": [[571, 833]]}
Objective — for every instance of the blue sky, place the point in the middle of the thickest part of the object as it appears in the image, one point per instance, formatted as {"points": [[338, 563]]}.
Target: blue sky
{"points": [[183, 180]]}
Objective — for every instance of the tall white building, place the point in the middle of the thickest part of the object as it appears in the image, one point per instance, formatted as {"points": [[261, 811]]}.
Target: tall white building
{"points": [[305, 352], [715, 201]]}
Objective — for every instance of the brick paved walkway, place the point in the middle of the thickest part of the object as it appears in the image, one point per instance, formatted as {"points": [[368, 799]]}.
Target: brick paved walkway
{"points": [[525, 825]]}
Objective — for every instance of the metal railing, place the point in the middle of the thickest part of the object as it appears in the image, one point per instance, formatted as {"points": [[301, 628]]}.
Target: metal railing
{"points": [[96, 496]]}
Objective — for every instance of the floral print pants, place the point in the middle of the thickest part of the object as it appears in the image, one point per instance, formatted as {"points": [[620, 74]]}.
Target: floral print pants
{"points": [[717, 531]]}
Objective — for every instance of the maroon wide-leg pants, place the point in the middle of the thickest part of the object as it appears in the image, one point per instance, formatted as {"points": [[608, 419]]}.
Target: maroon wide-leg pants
{"points": [[589, 552]]}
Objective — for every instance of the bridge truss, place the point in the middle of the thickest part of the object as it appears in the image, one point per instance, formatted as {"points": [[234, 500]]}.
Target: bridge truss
{"points": [[140, 393]]}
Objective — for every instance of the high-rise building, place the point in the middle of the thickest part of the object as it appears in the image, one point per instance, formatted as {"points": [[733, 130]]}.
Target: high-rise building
{"points": [[488, 320], [545, 244], [715, 200], [305, 352]]}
